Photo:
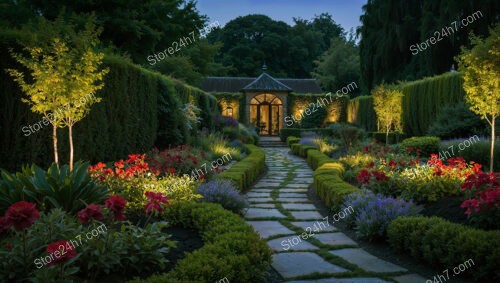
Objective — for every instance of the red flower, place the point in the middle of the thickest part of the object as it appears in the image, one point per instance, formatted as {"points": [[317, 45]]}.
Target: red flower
{"points": [[409, 149], [392, 164], [155, 202], [380, 176], [4, 224], [370, 165], [62, 251], [92, 211], [117, 205], [21, 215], [364, 176]]}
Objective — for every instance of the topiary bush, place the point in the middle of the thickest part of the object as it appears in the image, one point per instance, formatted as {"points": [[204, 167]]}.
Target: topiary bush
{"points": [[426, 145], [246, 171], [348, 134]]}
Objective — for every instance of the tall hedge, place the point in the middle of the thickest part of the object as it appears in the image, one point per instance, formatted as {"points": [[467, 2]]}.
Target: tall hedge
{"points": [[139, 109], [360, 113], [424, 99]]}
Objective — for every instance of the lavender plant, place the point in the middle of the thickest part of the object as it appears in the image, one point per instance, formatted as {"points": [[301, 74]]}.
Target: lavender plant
{"points": [[374, 212], [224, 193]]}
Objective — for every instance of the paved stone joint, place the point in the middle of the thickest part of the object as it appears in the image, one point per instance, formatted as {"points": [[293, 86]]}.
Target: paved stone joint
{"points": [[281, 213]]}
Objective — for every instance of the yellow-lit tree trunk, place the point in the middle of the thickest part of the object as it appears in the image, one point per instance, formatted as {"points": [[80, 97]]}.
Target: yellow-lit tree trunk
{"points": [[492, 146], [70, 147], [54, 140]]}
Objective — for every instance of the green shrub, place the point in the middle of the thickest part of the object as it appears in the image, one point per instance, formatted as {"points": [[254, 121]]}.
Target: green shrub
{"points": [[55, 188], [232, 249], [394, 137], [231, 133], [349, 135], [286, 132], [457, 121], [292, 140], [246, 171], [301, 150], [315, 119], [445, 244], [478, 151], [426, 145]]}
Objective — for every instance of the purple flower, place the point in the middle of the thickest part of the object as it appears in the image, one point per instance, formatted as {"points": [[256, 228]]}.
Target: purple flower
{"points": [[224, 193]]}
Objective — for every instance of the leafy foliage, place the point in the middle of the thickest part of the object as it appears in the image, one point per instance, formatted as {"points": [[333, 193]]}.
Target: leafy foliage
{"points": [[456, 121], [387, 105], [58, 187], [224, 193]]}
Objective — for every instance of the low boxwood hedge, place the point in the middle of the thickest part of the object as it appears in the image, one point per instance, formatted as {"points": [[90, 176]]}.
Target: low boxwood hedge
{"points": [[292, 140], [427, 145], [301, 150], [447, 245], [232, 249], [248, 169], [286, 132], [328, 182]]}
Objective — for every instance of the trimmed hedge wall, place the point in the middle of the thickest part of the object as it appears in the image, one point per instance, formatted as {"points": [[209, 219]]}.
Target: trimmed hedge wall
{"points": [[292, 140], [360, 112], [424, 99], [232, 249], [246, 171], [445, 244], [139, 109], [328, 173]]}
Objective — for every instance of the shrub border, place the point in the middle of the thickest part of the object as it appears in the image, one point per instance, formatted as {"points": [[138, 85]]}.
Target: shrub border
{"points": [[328, 176], [439, 242], [247, 170], [231, 248]]}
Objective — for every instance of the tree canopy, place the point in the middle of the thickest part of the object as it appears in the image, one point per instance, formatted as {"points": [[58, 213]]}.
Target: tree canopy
{"points": [[390, 27]]}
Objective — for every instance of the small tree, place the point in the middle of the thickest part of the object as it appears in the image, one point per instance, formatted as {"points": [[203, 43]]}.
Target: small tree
{"points": [[481, 69], [65, 74], [387, 106], [48, 67], [82, 81]]}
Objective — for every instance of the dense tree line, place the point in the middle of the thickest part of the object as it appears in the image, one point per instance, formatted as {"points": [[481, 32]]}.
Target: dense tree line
{"points": [[396, 36], [289, 51]]}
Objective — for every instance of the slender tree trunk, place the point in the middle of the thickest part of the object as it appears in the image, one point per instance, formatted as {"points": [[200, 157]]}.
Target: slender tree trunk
{"points": [[492, 146], [70, 148], [54, 139], [387, 136]]}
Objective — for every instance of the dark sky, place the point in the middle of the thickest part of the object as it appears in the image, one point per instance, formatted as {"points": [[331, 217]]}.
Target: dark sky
{"points": [[344, 12]]}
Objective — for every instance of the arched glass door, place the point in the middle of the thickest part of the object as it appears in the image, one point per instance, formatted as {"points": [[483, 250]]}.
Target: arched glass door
{"points": [[266, 112]]}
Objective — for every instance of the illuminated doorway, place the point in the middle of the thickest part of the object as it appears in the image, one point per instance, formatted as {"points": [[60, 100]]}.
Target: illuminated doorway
{"points": [[266, 113]]}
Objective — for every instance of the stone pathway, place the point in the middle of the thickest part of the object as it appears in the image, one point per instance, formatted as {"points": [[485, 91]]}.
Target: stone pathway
{"points": [[306, 247]]}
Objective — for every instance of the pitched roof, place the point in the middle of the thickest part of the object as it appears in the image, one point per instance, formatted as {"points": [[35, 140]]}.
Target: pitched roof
{"points": [[263, 83], [266, 83]]}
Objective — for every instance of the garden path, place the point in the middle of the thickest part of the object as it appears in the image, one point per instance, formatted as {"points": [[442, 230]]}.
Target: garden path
{"points": [[306, 247]]}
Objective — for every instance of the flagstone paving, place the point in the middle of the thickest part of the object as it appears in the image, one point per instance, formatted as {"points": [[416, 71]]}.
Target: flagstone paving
{"points": [[306, 247]]}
